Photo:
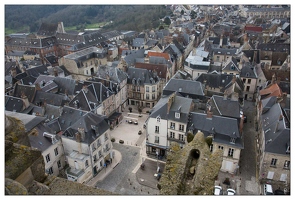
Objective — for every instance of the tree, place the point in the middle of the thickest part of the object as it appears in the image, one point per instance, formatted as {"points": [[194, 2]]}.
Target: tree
{"points": [[182, 12], [167, 21]]}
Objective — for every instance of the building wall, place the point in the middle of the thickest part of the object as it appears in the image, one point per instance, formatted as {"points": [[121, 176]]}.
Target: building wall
{"points": [[279, 171], [177, 132], [54, 158], [162, 134], [249, 87], [229, 164]]}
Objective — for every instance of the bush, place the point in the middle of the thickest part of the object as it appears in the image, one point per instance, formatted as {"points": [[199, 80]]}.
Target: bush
{"points": [[190, 137], [113, 140], [121, 141]]}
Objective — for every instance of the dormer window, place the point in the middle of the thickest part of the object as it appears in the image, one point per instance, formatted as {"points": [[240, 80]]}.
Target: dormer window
{"points": [[158, 119], [233, 140], [177, 115], [288, 149]]}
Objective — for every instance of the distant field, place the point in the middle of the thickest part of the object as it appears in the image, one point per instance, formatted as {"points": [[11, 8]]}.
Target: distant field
{"points": [[88, 26]]}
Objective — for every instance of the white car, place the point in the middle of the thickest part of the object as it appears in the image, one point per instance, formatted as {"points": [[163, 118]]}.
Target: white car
{"points": [[231, 191], [217, 190]]}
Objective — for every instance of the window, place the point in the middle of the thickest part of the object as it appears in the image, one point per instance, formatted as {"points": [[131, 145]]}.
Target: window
{"points": [[273, 162], [94, 158], [56, 151], [181, 127], [211, 147], [157, 129], [172, 135], [106, 137], [217, 58], [99, 154], [172, 125], [157, 139], [147, 89], [86, 163], [93, 147], [50, 170], [98, 143], [248, 88], [153, 89], [58, 164], [138, 88], [249, 81], [158, 119], [47, 158], [259, 80], [147, 96], [287, 164], [230, 152], [244, 80], [220, 147], [177, 115], [232, 140], [180, 137], [153, 96]]}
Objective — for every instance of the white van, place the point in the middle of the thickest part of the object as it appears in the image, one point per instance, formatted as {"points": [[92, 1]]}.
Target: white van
{"points": [[267, 189]]}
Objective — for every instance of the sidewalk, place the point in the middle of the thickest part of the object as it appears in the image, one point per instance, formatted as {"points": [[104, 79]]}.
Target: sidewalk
{"points": [[104, 172]]}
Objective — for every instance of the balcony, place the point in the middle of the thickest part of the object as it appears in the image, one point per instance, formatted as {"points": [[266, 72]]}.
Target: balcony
{"points": [[172, 127]]}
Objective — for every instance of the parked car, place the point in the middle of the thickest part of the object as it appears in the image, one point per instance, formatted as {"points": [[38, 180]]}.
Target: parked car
{"points": [[218, 190], [231, 191], [130, 121], [279, 192], [135, 122], [267, 189]]}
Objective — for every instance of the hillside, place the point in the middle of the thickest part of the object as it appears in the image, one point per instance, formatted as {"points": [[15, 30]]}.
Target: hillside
{"points": [[27, 18]]}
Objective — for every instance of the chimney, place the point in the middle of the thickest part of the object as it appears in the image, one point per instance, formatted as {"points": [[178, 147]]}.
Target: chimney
{"points": [[25, 100], [221, 40], [234, 96], [13, 72], [225, 96], [209, 113], [81, 131], [55, 72], [60, 27], [170, 102], [241, 124], [84, 88]]}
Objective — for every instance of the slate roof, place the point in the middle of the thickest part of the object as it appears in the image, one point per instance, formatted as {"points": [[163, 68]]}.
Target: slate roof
{"points": [[141, 76], [11, 65], [39, 141], [223, 128], [277, 136], [36, 71], [275, 47], [251, 53], [81, 41], [32, 42], [95, 89], [220, 51], [151, 43], [180, 104], [50, 98], [173, 51], [15, 53], [13, 104], [112, 72], [132, 55], [138, 42], [184, 87], [68, 117], [247, 71], [65, 85], [85, 54], [182, 74], [28, 90], [111, 34], [218, 80], [232, 65], [225, 107], [90, 122]]}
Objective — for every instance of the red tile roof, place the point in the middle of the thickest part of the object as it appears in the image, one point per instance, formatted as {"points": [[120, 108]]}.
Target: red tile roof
{"points": [[159, 54]]}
